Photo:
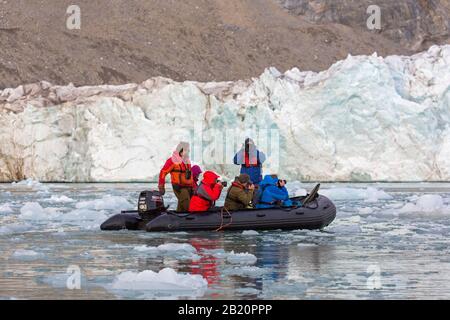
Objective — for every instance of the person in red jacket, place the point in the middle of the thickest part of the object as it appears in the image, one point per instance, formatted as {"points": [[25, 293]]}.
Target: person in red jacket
{"points": [[207, 193]]}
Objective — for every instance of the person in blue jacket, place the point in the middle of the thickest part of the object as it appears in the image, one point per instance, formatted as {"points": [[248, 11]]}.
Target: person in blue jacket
{"points": [[250, 159], [273, 193]]}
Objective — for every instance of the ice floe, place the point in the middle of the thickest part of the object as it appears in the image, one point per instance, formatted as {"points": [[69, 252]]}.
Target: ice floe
{"points": [[107, 202], [369, 194], [59, 199], [250, 233], [428, 203], [162, 283], [33, 184], [181, 251], [246, 271], [6, 208], [241, 258], [35, 212], [23, 254], [14, 228]]}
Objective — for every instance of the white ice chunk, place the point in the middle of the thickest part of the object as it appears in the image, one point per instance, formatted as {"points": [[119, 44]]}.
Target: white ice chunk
{"points": [[365, 210], [34, 211], [250, 233], [30, 183], [166, 281], [60, 199], [246, 271], [369, 194], [295, 189], [428, 203], [23, 254], [241, 258], [6, 208], [108, 202], [177, 250], [306, 245], [15, 228]]}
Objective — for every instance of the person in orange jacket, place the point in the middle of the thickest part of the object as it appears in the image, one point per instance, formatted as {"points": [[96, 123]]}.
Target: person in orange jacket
{"points": [[207, 193], [179, 168]]}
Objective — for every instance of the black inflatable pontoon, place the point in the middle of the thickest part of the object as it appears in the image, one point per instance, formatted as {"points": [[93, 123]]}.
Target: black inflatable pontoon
{"points": [[315, 215]]}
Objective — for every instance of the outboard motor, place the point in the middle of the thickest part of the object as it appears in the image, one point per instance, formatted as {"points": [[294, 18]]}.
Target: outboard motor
{"points": [[150, 202]]}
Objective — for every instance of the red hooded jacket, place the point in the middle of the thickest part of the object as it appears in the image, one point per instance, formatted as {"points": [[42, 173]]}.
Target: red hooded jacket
{"points": [[207, 193]]}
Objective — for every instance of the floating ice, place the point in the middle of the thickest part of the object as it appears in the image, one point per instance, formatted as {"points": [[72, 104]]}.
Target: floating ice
{"points": [[27, 254], [179, 247], [15, 228], [108, 202], [250, 233], [34, 211], [30, 183], [83, 214], [295, 189], [345, 229], [177, 250], [84, 218], [60, 199], [306, 245], [241, 258], [369, 194], [217, 253], [248, 291], [145, 249], [6, 208], [428, 203], [365, 210], [246, 271], [320, 234], [165, 282]]}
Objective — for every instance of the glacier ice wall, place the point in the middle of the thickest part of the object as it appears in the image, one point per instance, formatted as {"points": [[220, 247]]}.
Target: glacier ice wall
{"points": [[366, 118]]}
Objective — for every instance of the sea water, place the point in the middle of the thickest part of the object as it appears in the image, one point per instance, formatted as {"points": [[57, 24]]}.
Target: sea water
{"points": [[389, 240]]}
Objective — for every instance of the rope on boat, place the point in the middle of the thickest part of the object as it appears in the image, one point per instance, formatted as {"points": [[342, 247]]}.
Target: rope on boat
{"points": [[221, 215]]}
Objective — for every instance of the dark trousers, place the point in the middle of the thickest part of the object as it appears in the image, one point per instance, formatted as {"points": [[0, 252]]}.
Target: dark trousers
{"points": [[183, 195]]}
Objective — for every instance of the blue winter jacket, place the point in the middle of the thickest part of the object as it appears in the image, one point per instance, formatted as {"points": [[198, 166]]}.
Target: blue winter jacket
{"points": [[255, 172], [271, 192]]}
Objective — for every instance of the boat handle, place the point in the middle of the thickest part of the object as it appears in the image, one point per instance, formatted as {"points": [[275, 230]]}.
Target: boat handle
{"points": [[260, 215]]}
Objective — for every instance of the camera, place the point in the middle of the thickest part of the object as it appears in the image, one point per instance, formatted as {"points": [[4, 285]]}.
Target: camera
{"points": [[223, 183]]}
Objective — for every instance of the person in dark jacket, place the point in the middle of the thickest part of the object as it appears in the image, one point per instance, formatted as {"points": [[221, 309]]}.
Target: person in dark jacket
{"points": [[250, 159], [240, 194], [196, 171], [207, 193], [273, 193]]}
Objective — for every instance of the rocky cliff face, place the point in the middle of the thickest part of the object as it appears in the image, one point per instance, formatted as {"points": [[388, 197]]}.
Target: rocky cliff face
{"points": [[125, 41], [366, 118], [416, 24]]}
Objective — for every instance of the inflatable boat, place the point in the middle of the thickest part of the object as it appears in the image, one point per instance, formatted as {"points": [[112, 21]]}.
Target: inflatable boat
{"points": [[316, 214]]}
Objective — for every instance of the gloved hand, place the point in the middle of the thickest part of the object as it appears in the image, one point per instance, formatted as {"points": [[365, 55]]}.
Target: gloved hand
{"points": [[162, 190]]}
